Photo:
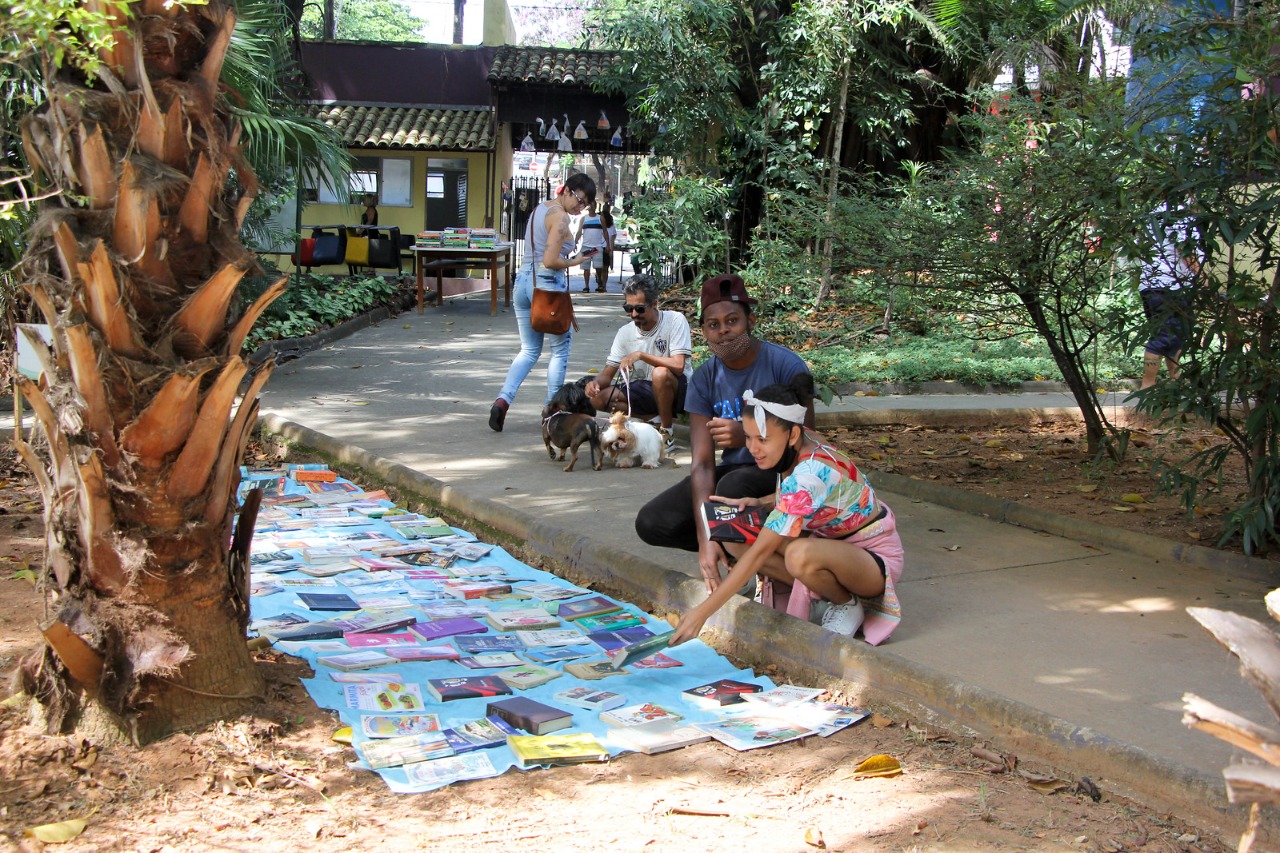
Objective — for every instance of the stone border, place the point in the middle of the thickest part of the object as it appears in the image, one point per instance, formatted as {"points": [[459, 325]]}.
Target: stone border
{"points": [[760, 635]]}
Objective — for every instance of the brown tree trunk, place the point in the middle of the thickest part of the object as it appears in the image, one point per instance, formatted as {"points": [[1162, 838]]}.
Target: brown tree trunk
{"points": [[138, 431]]}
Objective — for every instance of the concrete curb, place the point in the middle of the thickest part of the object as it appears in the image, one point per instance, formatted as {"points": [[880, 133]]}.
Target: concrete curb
{"points": [[947, 386], [876, 676]]}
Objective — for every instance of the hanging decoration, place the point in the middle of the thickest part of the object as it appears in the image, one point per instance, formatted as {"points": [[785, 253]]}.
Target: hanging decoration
{"points": [[554, 133], [526, 144], [580, 132], [565, 143], [542, 128], [602, 123], [616, 139]]}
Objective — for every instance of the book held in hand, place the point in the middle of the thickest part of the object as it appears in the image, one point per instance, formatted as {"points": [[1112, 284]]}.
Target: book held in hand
{"points": [[529, 715], [532, 750], [639, 650], [726, 691], [726, 523]]}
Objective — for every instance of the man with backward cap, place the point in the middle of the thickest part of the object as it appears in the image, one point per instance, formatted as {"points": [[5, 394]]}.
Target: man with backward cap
{"points": [[740, 362]]}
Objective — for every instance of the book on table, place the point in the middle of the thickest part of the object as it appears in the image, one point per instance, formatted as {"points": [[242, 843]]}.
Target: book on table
{"points": [[659, 736], [634, 715], [726, 523], [535, 750], [725, 691], [530, 715]]}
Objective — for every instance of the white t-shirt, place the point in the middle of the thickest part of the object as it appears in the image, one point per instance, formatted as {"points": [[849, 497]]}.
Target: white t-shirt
{"points": [[670, 337]]}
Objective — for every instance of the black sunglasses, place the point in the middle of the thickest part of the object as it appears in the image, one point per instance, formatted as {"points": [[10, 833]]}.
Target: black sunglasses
{"points": [[634, 309]]}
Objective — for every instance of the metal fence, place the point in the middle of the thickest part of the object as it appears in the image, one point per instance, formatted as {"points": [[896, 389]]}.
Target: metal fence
{"points": [[518, 205]]}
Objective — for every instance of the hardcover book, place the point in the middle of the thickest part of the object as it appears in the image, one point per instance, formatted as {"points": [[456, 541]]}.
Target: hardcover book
{"points": [[596, 605], [355, 660], [449, 627], [483, 733], [590, 698], [532, 751], [634, 715], [398, 725], [660, 736], [726, 691], [327, 601], [529, 715], [726, 523], [528, 675], [609, 622], [467, 687]]}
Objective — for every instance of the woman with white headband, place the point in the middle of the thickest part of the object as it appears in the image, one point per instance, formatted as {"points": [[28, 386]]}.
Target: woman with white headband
{"points": [[829, 550]]}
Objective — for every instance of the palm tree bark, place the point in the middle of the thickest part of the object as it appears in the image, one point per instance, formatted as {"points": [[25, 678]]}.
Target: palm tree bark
{"points": [[139, 427]]}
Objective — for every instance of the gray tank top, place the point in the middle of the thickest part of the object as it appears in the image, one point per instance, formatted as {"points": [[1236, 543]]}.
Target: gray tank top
{"points": [[538, 228]]}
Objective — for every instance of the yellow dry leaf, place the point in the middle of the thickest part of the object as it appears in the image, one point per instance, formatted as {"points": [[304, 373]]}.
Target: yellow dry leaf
{"points": [[1090, 487], [406, 326], [884, 439], [1048, 786], [878, 765], [880, 721], [342, 735], [56, 833], [1123, 508], [813, 837], [993, 442], [872, 394], [1193, 534], [1133, 498], [859, 393]]}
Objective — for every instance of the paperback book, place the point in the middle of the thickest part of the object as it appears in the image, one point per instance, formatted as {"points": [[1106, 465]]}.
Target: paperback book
{"points": [[593, 670], [557, 654], [377, 621], [634, 715], [783, 696], [438, 629], [533, 751], [726, 691], [428, 775], [355, 661], [660, 736], [753, 732], [551, 637], [483, 733], [590, 698], [396, 696], [481, 644], [423, 653], [493, 660], [551, 591], [613, 640], [395, 752], [596, 605], [366, 677], [639, 650], [528, 675], [471, 550], [726, 523], [327, 601], [521, 619], [467, 687], [398, 725], [378, 641], [609, 622]]}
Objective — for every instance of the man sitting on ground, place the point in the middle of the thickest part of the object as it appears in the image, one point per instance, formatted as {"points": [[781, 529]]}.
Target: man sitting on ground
{"points": [[649, 365]]}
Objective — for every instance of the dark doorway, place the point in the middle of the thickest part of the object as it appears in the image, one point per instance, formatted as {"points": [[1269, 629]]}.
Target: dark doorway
{"points": [[446, 194]]}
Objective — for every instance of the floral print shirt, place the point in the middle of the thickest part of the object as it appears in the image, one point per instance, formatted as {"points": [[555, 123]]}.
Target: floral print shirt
{"points": [[825, 495]]}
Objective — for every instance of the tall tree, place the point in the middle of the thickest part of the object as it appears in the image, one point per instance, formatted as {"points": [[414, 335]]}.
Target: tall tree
{"points": [[366, 20], [139, 433]]}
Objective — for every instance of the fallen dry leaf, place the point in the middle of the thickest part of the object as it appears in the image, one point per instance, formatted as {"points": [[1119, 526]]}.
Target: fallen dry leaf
{"points": [[877, 766], [813, 837], [880, 721], [56, 833], [1133, 498], [1089, 487], [1123, 508], [1052, 786]]}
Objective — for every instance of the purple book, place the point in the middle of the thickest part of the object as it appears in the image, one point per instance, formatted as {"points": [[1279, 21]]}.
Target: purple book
{"points": [[439, 628]]}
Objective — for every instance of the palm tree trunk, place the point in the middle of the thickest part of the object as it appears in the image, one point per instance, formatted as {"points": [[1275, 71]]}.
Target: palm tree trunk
{"points": [[139, 432]]}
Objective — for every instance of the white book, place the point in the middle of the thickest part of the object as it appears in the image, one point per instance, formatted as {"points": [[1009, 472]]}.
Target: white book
{"points": [[552, 637], [660, 736]]}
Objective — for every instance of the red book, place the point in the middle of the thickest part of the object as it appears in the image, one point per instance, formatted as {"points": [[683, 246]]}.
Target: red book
{"points": [[726, 691], [726, 523], [467, 687]]}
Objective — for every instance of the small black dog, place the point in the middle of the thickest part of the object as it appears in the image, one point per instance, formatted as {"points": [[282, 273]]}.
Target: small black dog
{"points": [[567, 431], [572, 398]]}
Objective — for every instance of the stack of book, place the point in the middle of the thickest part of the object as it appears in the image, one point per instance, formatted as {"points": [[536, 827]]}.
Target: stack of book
{"points": [[483, 238], [455, 238], [428, 239]]}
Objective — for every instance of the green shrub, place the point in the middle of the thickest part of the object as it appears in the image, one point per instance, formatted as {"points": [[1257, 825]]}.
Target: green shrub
{"points": [[312, 303]]}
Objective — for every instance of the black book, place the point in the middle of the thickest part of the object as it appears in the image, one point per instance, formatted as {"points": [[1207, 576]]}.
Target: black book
{"points": [[328, 601]]}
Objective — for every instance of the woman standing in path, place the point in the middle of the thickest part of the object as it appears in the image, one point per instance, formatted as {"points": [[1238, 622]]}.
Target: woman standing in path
{"points": [[548, 244]]}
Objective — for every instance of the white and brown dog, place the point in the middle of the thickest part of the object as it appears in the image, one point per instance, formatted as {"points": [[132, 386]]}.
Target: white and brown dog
{"points": [[626, 441]]}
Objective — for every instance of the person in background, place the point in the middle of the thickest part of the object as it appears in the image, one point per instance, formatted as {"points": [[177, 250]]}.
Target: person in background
{"points": [[547, 258], [611, 234], [370, 215], [739, 362], [1164, 281], [648, 367], [827, 540], [592, 235]]}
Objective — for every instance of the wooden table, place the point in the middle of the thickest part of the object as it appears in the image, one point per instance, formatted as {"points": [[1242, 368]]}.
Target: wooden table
{"points": [[441, 259]]}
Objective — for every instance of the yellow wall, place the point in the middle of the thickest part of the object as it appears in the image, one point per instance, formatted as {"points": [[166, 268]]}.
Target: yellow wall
{"points": [[410, 220]]}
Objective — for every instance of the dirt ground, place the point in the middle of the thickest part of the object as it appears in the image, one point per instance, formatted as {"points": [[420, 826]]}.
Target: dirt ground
{"points": [[274, 780]]}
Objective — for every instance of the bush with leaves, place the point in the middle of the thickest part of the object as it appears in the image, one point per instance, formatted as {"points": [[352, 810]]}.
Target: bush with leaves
{"points": [[314, 303]]}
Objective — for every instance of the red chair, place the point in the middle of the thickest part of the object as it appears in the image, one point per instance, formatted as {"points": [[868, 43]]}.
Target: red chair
{"points": [[304, 257]]}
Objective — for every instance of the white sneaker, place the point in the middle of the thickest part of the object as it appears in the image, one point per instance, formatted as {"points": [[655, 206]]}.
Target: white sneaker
{"points": [[668, 439], [843, 618]]}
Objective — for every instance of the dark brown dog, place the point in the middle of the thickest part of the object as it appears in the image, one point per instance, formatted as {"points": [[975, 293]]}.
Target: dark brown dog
{"points": [[567, 431]]}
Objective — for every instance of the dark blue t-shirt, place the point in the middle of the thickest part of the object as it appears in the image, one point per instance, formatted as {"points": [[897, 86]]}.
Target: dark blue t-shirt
{"points": [[715, 391]]}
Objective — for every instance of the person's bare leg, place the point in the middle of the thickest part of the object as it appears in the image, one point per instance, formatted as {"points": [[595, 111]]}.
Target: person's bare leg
{"points": [[1171, 362], [665, 385], [1150, 369], [834, 569]]}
